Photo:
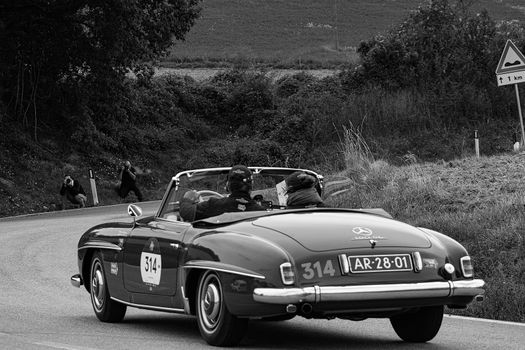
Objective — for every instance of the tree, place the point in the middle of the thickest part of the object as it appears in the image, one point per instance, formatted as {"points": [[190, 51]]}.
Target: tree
{"points": [[441, 43], [49, 44]]}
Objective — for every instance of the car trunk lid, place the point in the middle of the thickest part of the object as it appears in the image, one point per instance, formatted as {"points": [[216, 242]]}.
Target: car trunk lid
{"points": [[324, 231]]}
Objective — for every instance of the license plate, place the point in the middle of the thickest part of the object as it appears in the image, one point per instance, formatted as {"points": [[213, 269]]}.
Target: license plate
{"points": [[380, 263]]}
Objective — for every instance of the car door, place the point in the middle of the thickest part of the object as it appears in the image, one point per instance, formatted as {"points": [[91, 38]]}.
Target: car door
{"points": [[151, 255]]}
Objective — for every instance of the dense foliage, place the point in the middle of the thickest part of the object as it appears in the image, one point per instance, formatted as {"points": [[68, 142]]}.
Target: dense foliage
{"points": [[56, 54], [420, 92], [449, 54], [422, 88]]}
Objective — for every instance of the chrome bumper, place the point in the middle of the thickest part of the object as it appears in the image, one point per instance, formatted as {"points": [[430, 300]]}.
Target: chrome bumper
{"points": [[318, 294], [76, 280]]}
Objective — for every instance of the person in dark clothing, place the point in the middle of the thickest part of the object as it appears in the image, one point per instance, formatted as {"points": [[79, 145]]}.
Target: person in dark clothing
{"points": [[239, 185], [128, 182], [73, 191], [300, 188]]}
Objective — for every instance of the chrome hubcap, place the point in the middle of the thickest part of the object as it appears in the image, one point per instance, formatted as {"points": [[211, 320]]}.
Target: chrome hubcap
{"points": [[97, 286], [210, 304]]}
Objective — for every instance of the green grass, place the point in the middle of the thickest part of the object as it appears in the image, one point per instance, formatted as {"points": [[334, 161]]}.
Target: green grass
{"points": [[477, 201], [298, 33]]}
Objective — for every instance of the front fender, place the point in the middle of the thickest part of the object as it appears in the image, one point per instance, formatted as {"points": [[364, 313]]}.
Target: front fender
{"points": [[106, 238]]}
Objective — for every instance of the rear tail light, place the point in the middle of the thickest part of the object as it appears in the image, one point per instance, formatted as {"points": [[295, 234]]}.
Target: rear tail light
{"points": [[343, 263], [466, 266], [287, 274]]}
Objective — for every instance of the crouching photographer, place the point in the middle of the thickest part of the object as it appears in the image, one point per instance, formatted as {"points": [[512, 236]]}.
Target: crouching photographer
{"points": [[73, 191]]}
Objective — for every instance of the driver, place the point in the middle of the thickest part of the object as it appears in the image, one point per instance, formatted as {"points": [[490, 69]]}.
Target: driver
{"points": [[239, 185]]}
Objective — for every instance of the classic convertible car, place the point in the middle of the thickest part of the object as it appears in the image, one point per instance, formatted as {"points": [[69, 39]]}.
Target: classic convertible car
{"points": [[273, 264]]}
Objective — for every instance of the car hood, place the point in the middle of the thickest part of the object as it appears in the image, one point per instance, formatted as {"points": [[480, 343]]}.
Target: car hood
{"points": [[324, 231]]}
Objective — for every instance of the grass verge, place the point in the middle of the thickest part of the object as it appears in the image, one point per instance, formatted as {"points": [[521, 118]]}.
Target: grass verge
{"points": [[480, 202]]}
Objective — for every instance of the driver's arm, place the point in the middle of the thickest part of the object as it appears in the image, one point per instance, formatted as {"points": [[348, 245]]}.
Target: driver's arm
{"points": [[188, 205], [193, 208]]}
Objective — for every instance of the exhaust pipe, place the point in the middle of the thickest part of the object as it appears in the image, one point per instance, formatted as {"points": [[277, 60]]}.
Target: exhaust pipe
{"points": [[291, 309], [306, 308]]}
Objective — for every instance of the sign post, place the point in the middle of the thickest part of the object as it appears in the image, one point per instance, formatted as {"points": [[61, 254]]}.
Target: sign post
{"points": [[511, 70], [521, 116]]}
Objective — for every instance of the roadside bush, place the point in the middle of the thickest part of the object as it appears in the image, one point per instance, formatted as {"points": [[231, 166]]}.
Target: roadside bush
{"points": [[309, 118], [247, 101], [258, 152], [291, 84], [233, 150]]}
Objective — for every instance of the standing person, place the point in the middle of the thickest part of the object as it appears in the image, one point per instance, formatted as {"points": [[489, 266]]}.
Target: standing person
{"points": [[128, 181], [239, 185], [300, 188], [73, 191]]}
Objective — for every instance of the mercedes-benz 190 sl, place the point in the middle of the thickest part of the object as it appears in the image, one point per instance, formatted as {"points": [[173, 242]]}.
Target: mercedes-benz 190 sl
{"points": [[273, 264]]}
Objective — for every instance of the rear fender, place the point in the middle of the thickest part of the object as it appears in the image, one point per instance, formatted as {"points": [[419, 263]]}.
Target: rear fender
{"points": [[243, 262], [238, 253], [454, 250]]}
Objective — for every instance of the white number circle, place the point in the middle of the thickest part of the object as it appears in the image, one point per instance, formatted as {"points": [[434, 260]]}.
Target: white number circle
{"points": [[150, 268]]}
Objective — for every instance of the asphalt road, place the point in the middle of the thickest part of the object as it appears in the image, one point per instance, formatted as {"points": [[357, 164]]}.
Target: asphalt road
{"points": [[39, 309]]}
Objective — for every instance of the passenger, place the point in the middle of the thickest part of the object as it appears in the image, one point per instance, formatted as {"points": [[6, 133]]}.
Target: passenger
{"points": [[301, 191], [239, 185]]}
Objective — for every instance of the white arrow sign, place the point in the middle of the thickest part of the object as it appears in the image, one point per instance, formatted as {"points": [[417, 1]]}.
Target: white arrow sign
{"points": [[511, 78]]}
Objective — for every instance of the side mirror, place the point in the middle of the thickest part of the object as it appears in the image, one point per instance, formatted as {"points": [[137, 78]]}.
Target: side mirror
{"points": [[134, 210]]}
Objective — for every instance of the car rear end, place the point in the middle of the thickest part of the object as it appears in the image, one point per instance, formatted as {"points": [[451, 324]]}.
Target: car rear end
{"points": [[364, 266]]}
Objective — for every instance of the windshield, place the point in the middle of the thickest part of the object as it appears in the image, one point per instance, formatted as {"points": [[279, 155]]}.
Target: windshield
{"points": [[268, 188]]}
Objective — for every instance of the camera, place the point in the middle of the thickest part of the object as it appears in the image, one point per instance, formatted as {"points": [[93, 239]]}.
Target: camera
{"points": [[68, 181]]}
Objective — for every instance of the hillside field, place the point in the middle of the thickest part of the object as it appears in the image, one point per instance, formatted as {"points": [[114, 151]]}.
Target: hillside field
{"points": [[295, 33]]}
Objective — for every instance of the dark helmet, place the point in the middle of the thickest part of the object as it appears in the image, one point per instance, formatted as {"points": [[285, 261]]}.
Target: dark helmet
{"points": [[299, 180], [239, 179]]}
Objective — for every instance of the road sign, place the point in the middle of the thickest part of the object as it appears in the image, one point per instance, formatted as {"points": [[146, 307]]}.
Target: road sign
{"points": [[512, 60], [511, 70], [511, 78]]}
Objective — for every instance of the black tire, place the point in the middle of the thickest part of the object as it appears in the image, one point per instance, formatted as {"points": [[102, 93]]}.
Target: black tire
{"points": [[216, 324], [420, 326], [107, 310]]}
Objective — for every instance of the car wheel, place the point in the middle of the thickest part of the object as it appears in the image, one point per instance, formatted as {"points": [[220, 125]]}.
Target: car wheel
{"points": [[216, 324], [420, 326], [107, 310]]}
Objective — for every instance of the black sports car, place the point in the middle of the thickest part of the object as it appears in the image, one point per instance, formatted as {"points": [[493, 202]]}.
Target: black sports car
{"points": [[273, 264]]}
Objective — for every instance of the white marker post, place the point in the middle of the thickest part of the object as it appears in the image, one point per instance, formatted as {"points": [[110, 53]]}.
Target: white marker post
{"points": [[476, 143], [93, 187], [511, 70]]}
